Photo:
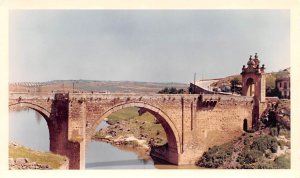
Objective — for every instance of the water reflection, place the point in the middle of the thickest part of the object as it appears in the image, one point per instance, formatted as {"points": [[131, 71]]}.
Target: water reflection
{"points": [[101, 155], [28, 128]]}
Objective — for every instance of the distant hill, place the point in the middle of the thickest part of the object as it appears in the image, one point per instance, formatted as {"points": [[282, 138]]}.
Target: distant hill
{"points": [[93, 86]]}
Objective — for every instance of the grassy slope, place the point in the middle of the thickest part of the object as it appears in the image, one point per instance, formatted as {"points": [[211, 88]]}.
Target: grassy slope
{"points": [[122, 114], [53, 160]]}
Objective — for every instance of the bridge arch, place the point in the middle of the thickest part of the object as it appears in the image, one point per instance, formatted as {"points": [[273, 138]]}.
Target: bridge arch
{"points": [[41, 110], [171, 131]]}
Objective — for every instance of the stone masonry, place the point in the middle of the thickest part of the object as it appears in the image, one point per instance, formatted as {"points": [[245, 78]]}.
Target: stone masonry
{"points": [[192, 122]]}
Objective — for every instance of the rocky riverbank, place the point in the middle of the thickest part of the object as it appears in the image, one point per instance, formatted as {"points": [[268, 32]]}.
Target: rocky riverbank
{"points": [[24, 163], [21, 158], [137, 131]]}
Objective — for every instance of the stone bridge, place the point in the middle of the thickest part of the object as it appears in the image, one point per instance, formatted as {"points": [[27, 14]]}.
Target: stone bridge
{"points": [[192, 122]]}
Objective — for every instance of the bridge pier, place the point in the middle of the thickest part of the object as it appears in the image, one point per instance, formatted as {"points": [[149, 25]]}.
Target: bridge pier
{"points": [[58, 124]]}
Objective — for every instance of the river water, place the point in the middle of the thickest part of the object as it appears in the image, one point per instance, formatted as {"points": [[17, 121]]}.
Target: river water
{"points": [[28, 128]]}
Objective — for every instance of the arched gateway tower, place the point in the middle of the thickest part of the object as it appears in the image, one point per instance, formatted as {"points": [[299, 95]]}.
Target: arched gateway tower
{"points": [[253, 80]]}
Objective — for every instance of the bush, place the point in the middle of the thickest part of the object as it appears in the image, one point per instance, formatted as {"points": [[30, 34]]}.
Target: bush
{"points": [[247, 141], [283, 162], [282, 143], [249, 156], [265, 142], [274, 132], [171, 90], [286, 133], [216, 155], [274, 147]]}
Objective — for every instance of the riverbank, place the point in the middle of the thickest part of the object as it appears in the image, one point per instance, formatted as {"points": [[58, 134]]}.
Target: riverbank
{"points": [[21, 157], [128, 128]]}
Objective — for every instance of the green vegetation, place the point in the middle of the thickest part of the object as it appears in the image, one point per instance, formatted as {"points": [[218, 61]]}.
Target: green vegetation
{"points": [[258, 161], [53, 160], [265, 142], [171, 90], [283, 162], [234, 83], [249, 151], [123, 114], [217, 155], [270, 80], [285, 132], [249, 156]]}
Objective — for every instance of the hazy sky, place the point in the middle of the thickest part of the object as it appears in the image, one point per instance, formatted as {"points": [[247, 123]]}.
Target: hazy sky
{"points": [[144, 45]]}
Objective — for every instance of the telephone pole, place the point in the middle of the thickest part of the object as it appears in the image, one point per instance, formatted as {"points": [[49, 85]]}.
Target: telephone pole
{"points": [[194, 83]]}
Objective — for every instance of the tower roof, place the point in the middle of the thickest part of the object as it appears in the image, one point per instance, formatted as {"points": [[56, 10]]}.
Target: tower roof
{"points": [[253, 66]]}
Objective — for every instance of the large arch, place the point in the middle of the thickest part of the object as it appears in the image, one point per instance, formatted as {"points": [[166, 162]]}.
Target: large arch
{"points": [[39, 109], [168, 125], [44, 112]]}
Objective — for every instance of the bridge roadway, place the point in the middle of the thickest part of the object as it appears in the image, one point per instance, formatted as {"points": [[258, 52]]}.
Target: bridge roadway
{"points": [[192, 122]]}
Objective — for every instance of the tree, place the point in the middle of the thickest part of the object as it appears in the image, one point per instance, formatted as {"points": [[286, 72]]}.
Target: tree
{"points": [[234, 82], [171, 90], [180, 91], [270, 80], [163, 91]]}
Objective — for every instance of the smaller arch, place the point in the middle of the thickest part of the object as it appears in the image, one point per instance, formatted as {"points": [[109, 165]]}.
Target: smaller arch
{"points": [[44, 112]]}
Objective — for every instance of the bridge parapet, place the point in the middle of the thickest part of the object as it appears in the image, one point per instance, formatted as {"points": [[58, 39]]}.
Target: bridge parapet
{"points": [[226, 97], [17, 95]]}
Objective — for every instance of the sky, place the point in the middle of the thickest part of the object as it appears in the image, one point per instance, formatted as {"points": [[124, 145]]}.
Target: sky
{"points": [[144, 45]]}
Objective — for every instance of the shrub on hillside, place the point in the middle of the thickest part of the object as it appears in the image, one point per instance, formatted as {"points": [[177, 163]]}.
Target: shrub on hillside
{"points": [[249, 156], [283, 162], [216, 156], [265, 142], [274, 132]]}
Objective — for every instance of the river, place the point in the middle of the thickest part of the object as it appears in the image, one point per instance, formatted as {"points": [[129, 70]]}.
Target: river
{"points": [[28, 128]]}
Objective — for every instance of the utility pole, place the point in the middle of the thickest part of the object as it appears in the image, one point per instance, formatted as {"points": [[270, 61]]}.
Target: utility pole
{"points": [[73, 87], [194, 83]]}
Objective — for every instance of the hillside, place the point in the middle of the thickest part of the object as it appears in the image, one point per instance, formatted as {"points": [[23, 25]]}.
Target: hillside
{"points": [[268, 147], [93, 86], [270, 79]]}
